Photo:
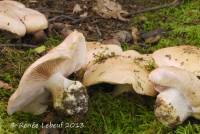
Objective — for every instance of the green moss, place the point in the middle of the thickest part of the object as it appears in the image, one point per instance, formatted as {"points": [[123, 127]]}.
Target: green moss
{"points": [[123, 114], [181, 25]]}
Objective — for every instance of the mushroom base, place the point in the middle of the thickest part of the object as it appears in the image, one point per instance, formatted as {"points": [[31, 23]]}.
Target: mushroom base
{"points": [[75, 99], [171, 107], [69, 97]]}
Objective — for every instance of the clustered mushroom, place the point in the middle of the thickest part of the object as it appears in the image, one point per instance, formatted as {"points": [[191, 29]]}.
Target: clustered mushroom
{"points": [[19, 20], [175, 78]]}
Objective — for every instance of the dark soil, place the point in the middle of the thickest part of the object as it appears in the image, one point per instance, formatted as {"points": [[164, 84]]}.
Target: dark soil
{"points": [[94, 27]]}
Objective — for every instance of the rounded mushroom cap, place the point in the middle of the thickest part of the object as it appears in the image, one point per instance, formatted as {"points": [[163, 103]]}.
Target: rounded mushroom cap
{"points": [[15, 26], [119, 70], [184, 81], [185, 57], [12, 3], [32, 20], [95, 49], [66, 58]]}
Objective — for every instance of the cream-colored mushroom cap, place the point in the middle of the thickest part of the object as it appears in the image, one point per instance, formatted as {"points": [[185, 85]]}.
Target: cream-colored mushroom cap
{"points": [[12, 3], [8, 23], [32, 20], [95, 49], [185, 57], [48, 72], [119, 70]]}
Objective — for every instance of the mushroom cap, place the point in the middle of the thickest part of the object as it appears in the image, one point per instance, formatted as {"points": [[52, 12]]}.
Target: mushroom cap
{"points": [[97, 48], [182, 80], [12, 3], [32, 20], [15, 26], [185, 57], [65, 59], [119, 70]]}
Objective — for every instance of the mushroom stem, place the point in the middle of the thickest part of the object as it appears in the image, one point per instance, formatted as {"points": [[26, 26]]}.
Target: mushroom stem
{"points": [[171, 107], [69, 96]]}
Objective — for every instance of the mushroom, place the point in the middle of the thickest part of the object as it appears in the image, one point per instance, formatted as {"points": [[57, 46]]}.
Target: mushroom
{"points": [[48, 76], [121, 71], [11, 24], [19, 20], [12, 3], [97, 49], [185, 57], [179, 93]]}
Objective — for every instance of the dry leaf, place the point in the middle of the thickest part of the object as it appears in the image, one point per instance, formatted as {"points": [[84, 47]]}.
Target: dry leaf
{"points": [[110, 9], [135, 34], [5, 85], [77, 8]]}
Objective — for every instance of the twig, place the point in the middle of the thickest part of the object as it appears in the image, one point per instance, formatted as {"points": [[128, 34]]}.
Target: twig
{"points": [[61, 16], [18, 45], [174, 3]]}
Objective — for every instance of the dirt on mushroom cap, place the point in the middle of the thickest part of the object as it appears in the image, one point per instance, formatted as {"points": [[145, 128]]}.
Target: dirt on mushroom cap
{"points": [[185, 57], [120, 70]]}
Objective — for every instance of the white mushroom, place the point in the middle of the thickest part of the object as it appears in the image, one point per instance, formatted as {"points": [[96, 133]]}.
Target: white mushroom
{"points": [[47, 75], [32, 19], [179, 95], [19, 20], [185, 57], [119, 70], [13, 25], [12, 3], [97, 49]]}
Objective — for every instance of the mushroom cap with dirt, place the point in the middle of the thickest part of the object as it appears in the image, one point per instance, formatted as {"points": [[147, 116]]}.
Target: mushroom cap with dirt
{"points": [[185, 57], [48, 76], [121, 71], [179, 95], [28, 20], [97, 49]]}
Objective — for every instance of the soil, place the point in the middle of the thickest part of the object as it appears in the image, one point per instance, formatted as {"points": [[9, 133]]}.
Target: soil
{"points": [[94, 27]]}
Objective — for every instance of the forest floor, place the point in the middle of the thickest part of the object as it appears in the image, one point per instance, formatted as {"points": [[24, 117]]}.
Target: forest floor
{"points": [[125, 114]]}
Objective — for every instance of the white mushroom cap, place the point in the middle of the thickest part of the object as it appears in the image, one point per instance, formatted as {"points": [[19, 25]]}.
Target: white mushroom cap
{"points": [[12, 3], [186, 88], [185, 57], [119, 70], [97, 48], [12, 25], [32, 20], [48, 72]]}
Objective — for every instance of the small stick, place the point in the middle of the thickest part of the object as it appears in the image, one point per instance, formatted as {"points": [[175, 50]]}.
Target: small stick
{"points": [[18, 45], [61, 16], [174, 3]]}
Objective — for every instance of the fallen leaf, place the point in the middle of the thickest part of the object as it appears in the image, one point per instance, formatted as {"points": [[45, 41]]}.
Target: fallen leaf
{"points": [[40, 49], [77, 8], [84, 15], [5, 85], [110, 9], [135, 34]]}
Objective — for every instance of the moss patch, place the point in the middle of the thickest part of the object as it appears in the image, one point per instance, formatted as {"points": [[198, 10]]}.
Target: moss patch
{"points": [[123, 114]]}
